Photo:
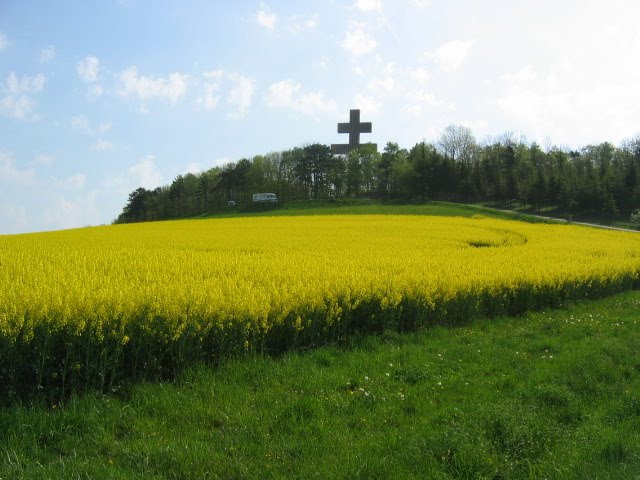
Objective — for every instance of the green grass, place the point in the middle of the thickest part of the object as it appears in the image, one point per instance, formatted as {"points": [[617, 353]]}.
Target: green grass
{"points": [[348, 206], [552, 394], [618, 221]]}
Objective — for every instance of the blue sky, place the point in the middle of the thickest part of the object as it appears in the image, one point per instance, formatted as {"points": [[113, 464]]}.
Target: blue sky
{"points": [[98, 98]]}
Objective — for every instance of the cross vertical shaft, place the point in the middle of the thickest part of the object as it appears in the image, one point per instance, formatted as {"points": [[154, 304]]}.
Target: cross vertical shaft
{"points": [[354, 128]]}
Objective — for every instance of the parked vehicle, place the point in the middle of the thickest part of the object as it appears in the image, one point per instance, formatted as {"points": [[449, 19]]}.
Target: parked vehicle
{"points": [[265, 197]]}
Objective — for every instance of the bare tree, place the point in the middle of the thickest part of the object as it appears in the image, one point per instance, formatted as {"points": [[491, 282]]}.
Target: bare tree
{"points": [[457, 143]]}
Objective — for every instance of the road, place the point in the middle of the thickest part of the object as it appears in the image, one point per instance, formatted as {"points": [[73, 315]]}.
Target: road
{"points": [[562, 220]]}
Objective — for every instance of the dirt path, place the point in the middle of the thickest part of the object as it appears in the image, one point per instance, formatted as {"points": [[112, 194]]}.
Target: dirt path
{"points": [[562, 220], [607, 227]]}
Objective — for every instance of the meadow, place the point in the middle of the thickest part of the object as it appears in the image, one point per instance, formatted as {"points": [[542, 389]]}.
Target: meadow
{"points": [[89, 309], [551, 394]]}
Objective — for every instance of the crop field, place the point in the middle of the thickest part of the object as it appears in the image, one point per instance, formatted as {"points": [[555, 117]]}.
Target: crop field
{"points": [[85, 309]]}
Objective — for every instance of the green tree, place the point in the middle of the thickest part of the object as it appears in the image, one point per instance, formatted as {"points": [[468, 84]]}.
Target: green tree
{"points": [[370, 165], [387, 168], [136, 208], [318, 161], [353, 174], [424, 160]]}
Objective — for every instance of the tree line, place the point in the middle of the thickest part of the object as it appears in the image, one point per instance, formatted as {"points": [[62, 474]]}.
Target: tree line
{"points": [[597, 179]]}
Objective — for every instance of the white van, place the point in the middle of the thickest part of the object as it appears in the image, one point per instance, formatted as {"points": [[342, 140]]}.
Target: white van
{"points": [[265, 197]]}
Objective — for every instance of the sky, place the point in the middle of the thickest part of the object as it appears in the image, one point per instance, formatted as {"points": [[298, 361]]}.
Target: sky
{"points": [[100, 98]]}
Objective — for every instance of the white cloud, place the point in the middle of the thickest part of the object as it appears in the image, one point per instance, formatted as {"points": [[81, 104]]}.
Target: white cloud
{"points": [[406, 87], [294, 24], [397, 84], [81, 124], [218, 162], [19, 190], [424, 97], [369, 5], [450, 56], [241, 95], [78, 211], [213, 75], [358, 42], [210, 98], [17, 107], [76, 181], [43, 159], [73, 182], [415, 109], [3, 41], [299, 23], [385, 84], [104, 127], [12, 175], [27, 84], [566, 112], [422, 3], [13, 218], [171, 88], [94, 91], [17, 101], [577, 95], [30, 202], [65, 214], [287, 94], [193, 167], [101, 145], [477, 126], [266, 18], [368, 104], [418, 75], [47, 54], [391, 68], [88, 69], [525, 74], [89, 72], [145, 173], [323, 63]]}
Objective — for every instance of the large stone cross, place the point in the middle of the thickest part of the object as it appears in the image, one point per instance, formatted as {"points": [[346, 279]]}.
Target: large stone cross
{"points": [[354, 128]]}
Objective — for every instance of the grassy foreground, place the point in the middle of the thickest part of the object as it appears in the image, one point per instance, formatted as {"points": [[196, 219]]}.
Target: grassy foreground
{"points": [[552, 394]]}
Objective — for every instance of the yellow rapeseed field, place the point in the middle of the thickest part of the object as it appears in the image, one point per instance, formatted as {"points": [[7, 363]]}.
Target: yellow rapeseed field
{"points": [[88, 306]]}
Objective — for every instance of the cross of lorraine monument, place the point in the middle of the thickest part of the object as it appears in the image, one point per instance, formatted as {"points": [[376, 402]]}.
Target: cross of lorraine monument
{"points": [[354, 128]]}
